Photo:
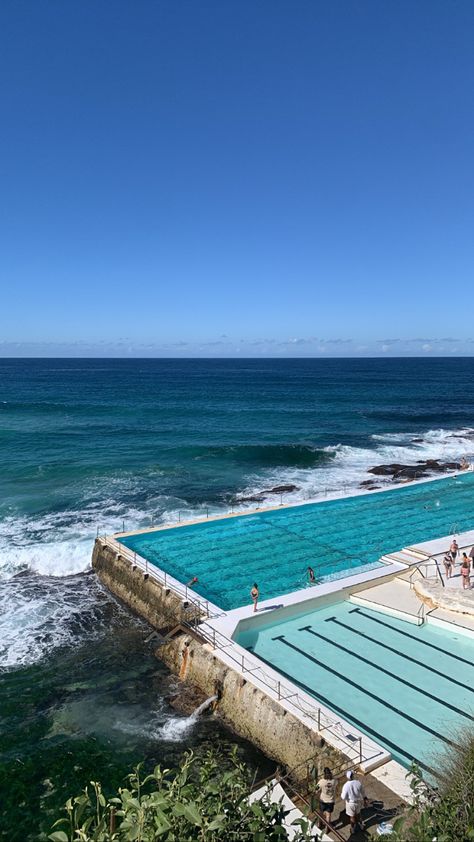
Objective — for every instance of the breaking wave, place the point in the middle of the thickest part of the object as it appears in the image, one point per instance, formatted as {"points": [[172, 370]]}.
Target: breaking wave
{"points": [[48, 600]]}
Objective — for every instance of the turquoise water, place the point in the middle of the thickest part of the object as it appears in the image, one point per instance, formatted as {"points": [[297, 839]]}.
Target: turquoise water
{"points": [[410, 688], [86, 444], [336, 538]]}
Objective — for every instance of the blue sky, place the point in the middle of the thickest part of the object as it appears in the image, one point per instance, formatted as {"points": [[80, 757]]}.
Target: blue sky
{"points": [[225, 178]]}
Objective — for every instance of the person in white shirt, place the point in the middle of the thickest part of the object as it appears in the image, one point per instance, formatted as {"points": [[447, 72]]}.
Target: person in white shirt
{"points": [[353, 794]]}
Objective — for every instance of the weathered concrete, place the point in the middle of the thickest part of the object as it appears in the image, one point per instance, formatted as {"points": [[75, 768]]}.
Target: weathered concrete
{"points": [[434, 595], [246, 709], [144, 595]]}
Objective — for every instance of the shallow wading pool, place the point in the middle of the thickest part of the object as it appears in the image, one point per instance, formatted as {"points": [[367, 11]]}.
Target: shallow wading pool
{"points": [[408, 687]]}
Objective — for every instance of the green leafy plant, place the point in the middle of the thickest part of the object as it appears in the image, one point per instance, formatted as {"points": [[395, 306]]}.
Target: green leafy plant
{"points": [[203, 800], [444, 813]]}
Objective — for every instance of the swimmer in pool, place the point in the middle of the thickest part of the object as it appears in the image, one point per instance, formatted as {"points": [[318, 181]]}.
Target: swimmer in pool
{"points": [[311, 576]]}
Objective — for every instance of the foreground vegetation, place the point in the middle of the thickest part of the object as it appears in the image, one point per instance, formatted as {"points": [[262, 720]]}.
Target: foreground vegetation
{"points": [[444, 814], [204, 800]]}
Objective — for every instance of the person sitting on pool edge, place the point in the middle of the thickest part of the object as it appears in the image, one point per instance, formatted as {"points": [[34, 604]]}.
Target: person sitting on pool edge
{"points": [[254, 594]]}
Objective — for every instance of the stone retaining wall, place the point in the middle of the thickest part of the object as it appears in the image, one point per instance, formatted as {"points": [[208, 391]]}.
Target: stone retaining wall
{"points": [[144, 595], [247, 710]]}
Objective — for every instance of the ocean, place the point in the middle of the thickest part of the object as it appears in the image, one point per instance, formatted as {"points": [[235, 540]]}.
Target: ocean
{"points": [[90, 445]]}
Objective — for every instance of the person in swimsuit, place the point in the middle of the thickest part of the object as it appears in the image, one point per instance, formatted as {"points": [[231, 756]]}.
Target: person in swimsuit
{"points": [[311, 576], [448, 564], [466, 572], [454, 548], [192, 582], [254, 594], [327, 794]]}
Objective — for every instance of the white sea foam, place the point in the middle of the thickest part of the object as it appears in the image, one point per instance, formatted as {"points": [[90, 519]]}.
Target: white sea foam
{"points": [[348, 468], [41, 608]]}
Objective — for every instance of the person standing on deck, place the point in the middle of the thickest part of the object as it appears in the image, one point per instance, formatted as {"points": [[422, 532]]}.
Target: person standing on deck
{"points": [[353, 794], [466, 572], [448, 564], [254, 594], [454, 549]]}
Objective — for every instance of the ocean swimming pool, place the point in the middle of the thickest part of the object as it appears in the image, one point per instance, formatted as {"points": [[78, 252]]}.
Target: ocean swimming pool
{"points": [[335, 537], [410, 688]]}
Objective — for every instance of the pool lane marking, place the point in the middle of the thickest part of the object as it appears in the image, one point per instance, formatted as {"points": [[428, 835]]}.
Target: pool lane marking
{"points": [[351, 718], [413, 637], [281, 639], [401, 654], [386, 672]]}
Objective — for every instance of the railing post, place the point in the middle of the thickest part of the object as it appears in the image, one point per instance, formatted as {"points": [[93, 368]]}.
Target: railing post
{"points": [[214, 638], [279, 691], [207, 512], [165, 578], [243, 666], [112, 820], [179, 517], [123, 526], [319, 719], [360, 749]]}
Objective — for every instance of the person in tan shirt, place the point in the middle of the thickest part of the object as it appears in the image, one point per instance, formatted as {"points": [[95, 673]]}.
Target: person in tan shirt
{"points": [[327, 794]]}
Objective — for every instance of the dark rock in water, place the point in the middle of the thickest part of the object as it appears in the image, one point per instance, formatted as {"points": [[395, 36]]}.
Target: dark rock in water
{"points": [[187, 699], [417, 441], [420, 470], [262, 495], [369, 485], [281, 489]]}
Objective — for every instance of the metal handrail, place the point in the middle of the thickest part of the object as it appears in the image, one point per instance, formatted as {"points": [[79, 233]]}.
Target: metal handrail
{"points": [[182, 591], [281, 691]]}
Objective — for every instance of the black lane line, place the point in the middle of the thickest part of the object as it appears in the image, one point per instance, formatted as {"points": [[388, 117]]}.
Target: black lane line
{"points": [[281, 639], [349, 716], [401, 654], [413, 637], [387, 672]]}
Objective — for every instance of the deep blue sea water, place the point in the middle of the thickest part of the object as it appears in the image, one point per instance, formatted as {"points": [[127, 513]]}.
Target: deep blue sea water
{"points": [[88, 444]]}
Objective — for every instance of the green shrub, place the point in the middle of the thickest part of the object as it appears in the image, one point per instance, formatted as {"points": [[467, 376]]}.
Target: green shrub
{"points": [[444, 813], [205, 800]]}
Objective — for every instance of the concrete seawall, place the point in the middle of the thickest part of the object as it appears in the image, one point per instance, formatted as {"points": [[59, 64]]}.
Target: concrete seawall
{"points": [[144, 595], [247, 710]]}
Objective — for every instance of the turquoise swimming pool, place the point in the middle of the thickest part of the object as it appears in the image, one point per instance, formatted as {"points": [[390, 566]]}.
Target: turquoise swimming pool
{"points": [[410, 688], [335, 537]]}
